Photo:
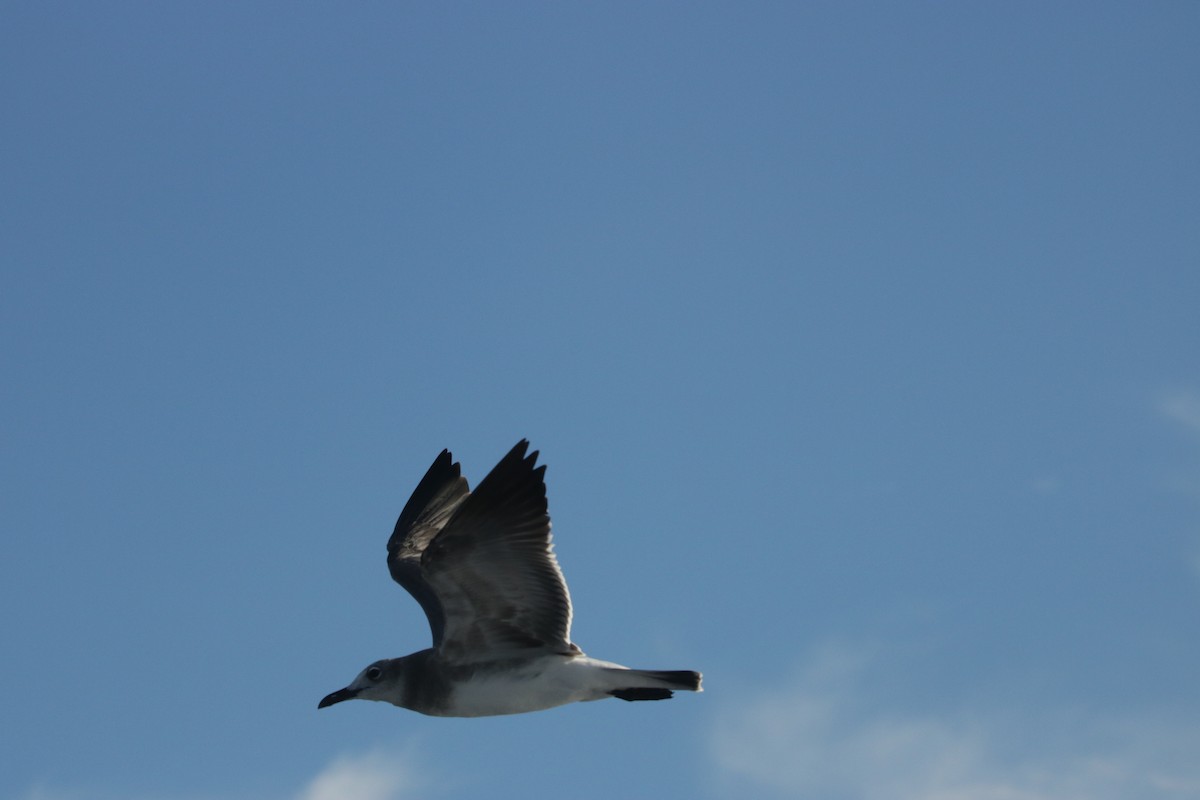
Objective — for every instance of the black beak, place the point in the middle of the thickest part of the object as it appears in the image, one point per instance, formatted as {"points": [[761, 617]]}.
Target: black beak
{"points": [[337, 697]]}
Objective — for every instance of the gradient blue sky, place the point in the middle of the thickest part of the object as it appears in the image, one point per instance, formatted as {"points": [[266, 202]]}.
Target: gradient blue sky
{"points": [[862, 342]]}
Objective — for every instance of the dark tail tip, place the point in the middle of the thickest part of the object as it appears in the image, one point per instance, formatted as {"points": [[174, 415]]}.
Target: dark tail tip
{"points": [[642, 694], [679, 678]]}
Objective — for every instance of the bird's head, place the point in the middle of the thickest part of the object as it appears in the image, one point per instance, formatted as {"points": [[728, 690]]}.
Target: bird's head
{"points": [[379, 681]]}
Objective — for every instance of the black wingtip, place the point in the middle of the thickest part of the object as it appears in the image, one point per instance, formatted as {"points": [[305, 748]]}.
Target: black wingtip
{"points": [[517, 453], [517, 465], [518, 460], [442, 471]]}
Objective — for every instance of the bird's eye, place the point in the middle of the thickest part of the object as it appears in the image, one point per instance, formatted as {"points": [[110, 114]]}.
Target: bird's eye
{"points": [[373, 673]]}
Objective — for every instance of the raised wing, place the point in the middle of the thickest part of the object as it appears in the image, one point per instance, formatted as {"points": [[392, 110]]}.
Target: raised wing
{"points": [[493, 570], [433, 502]]}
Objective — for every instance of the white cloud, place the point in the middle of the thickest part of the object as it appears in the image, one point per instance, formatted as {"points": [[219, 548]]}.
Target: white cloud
{"points": [[376, 775], [825, 737], [1184, 408], [380, 774]]}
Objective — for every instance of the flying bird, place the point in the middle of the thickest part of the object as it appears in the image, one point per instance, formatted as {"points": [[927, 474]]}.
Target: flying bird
{"points": [[483, 569]]}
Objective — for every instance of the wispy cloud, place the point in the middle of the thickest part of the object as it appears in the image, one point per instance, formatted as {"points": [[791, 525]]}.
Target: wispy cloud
{"points": [[1182, 407], [379, 774], [824, 735], [376, 775]]}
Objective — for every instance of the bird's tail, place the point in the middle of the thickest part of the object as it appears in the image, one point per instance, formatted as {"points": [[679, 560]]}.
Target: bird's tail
{"points": [[649, 684]]}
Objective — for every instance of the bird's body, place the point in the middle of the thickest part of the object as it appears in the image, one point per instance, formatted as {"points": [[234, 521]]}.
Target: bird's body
{"points": [[422, 682], [482, 567]]}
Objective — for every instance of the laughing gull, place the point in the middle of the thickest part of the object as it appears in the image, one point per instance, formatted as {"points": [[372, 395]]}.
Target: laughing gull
{"points": [[482, 567]]}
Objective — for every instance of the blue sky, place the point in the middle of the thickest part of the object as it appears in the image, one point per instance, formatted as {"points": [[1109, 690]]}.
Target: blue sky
{"points": [[861, 341]]}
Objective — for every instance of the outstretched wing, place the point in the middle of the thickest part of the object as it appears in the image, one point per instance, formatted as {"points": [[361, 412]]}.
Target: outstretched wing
{"points": [[493, 571], [433, 502]]}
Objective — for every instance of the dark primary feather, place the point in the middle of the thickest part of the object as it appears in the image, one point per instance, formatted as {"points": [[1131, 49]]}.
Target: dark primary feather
{"points": [[493, 570], [433, 502]]}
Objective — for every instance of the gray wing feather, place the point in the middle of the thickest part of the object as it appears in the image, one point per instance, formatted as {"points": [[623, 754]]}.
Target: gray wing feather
{"points": [[433, 503], [493, 571]]}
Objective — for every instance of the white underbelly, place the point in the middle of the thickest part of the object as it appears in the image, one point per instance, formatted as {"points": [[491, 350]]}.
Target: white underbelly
{"points": [[545, 683]]}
